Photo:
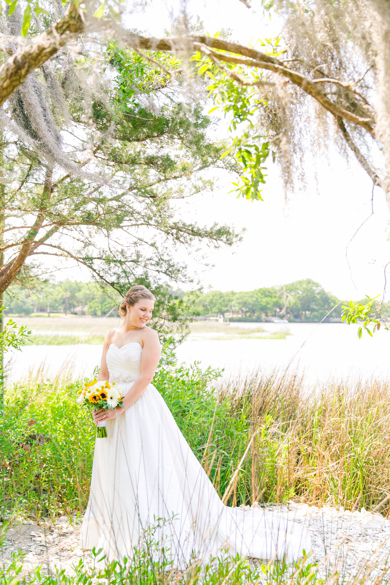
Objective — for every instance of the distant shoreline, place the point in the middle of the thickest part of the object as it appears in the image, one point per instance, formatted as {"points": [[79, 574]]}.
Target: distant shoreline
{"points": [[204, 319]]}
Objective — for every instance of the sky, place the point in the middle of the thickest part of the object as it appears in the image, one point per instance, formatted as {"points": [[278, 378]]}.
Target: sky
{"points": [[307, 236], [310, 235]]}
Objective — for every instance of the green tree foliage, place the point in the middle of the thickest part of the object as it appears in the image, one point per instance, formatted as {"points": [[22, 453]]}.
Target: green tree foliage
{"points": [[307, 300], [138, 149], [240, 104], [302, 300], [369, 313], [213, 302], [331, 52], [66, 297]]}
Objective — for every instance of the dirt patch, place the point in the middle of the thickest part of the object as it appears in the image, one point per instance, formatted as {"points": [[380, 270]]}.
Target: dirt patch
{"points": [[45, 545]]}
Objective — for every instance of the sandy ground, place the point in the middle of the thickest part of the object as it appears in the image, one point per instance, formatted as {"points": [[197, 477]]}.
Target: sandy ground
{"points": [[349, 542]]}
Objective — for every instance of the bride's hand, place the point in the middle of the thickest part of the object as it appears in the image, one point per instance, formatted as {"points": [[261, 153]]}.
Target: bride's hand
{"points": [[102, 414]]}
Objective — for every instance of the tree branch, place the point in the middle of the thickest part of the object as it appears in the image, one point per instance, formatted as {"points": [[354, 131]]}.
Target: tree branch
{"points": [[359, 155], [9, 271], [214, 57], [347, 86], [40, 49], [67, 254], [28, 58], [257, 59], [298, 79]]}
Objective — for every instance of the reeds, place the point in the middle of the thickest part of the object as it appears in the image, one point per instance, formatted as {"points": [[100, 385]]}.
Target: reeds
{"points": [[329, 447]]}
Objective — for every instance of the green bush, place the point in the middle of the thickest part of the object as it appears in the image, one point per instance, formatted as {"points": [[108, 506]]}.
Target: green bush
{"points": [[46, 443]]}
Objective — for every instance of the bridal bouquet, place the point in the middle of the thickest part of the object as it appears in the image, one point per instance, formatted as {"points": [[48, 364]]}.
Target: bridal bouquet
{"points": [[97, 395]]}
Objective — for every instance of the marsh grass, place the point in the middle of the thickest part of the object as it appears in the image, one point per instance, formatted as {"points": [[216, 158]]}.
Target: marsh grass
{"points": [[274, 440], [331, 447]]}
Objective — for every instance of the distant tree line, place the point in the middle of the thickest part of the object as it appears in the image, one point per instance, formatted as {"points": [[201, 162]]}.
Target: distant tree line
{"points": [[302, 300], [68, 297]]}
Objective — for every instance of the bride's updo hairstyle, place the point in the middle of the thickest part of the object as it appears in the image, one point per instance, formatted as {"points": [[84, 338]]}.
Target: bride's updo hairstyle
{"points": [[133, 295]]}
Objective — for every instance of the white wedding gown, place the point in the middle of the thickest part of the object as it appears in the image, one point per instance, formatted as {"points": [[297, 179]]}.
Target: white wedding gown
{"points": [[146, 477]]}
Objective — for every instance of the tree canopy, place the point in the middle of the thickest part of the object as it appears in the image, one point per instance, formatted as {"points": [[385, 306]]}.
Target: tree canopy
{"points": [[325, 80], [301, 300], [128, 158], [322, 82]]}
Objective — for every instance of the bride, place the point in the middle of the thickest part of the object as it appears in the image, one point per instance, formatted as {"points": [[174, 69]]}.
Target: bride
{"points": [[147, 487]]}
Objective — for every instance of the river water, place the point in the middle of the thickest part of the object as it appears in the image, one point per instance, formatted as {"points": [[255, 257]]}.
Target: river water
{"points": [[322, 352]]}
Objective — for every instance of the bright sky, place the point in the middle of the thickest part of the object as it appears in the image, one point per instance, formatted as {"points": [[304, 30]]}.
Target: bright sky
{"points": [[305, 237]]}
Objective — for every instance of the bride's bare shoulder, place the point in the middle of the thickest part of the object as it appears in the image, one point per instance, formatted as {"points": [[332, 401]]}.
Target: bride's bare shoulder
{"points": [[150, 335], [110, 335]]}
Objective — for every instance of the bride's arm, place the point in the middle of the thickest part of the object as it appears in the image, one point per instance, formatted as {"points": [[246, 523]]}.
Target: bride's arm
{"points": [[103, 373], [151, 354]]}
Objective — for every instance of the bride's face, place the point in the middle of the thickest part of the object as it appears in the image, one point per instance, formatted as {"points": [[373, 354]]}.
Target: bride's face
{"points": [[140, 313]]}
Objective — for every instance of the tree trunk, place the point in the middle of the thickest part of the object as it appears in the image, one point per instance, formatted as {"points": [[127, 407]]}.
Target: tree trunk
{"points": [[9, 272], [2, 219]]}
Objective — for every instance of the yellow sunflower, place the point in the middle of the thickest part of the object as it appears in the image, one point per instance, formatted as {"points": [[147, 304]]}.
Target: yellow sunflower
{"points": [[94, 398], [103, 395]]}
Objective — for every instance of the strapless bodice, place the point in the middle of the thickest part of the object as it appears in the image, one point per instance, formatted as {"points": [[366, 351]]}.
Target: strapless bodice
{"points": [[124, 363]]}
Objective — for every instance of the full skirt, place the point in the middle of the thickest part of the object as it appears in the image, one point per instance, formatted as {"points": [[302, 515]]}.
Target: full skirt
{"points": [[149, 490]]}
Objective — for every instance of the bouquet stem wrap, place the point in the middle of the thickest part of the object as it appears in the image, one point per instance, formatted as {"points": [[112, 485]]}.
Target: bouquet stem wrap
{"points": [[101, 431]]}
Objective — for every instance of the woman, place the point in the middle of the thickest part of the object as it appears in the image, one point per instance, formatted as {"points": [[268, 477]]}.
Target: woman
{"points": [[147, 487]]}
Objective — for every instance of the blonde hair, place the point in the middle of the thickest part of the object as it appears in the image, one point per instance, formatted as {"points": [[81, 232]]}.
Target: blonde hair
{"points": [[133, 295]]}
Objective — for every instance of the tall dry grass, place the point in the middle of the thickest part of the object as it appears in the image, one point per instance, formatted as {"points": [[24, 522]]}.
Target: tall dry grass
{"points": [[329, 447]]}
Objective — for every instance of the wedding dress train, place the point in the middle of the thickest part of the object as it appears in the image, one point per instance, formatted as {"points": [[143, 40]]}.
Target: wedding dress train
{"points": [[145, 477]]}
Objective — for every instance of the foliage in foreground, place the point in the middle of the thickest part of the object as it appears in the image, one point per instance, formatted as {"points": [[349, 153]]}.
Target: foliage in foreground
{"points": [[141, 569]]}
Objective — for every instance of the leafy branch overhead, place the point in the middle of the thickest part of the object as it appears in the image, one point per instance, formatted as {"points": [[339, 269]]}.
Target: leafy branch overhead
{"points": [[367, 314], [98, 183], [330, 53]]}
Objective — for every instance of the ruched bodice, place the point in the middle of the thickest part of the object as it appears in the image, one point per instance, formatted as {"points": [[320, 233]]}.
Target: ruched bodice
{"points": [[124, 363]]}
